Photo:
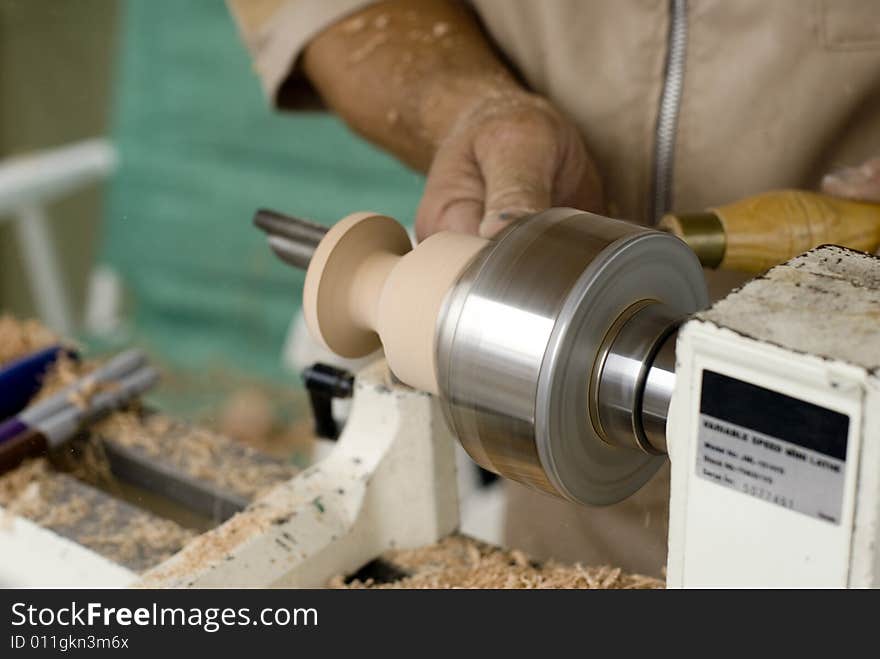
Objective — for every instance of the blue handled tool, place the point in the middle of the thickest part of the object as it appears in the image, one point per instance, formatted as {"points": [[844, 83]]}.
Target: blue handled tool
{"points": [[115, 369], [21, 379]]}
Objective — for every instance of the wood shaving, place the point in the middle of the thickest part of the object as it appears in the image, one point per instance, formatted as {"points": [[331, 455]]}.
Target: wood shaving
{"points": [[215, 544], [116, 530], [84, 458], [19, 338], [64, 372], [198, 452], [144, 541], [141, 540], [374, 42], [461, 562], [19, 487], [52, 491]]}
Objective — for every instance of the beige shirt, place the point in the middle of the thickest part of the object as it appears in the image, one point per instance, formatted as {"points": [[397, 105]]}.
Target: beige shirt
{"points": [[774, 94]]}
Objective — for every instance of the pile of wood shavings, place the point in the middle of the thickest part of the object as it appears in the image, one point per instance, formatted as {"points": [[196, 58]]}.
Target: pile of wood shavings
{"points": [[462, 562], [82, 457], [65, 371], [19, 487], [198, 452], [119, 532], [19, 338], [143, 537]]}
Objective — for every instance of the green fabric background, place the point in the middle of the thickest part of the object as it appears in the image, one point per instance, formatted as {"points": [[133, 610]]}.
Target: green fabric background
{"points": [[201, 150]]}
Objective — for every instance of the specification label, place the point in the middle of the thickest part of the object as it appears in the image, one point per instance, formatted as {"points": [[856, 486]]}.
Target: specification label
{"points": [[773, 447]]}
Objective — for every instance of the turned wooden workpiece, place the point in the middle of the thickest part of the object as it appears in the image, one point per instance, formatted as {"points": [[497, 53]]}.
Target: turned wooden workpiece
{"points": [[366, 286], [758, 232]]}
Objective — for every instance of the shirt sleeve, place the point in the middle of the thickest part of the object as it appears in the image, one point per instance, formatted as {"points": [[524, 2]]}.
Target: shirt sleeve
{"points": [[276, 32]]}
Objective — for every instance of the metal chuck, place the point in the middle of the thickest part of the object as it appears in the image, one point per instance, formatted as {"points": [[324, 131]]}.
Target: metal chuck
{"points": [[555, 351], [548, 348]]}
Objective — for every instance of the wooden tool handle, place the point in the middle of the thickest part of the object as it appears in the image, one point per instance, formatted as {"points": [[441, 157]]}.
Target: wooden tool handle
{"points": [[14, 451], [762, 231]]}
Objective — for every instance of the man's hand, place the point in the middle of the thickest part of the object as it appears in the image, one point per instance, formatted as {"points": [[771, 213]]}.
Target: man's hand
{"points": [[860, 183], [419, 78], [506, 157]]}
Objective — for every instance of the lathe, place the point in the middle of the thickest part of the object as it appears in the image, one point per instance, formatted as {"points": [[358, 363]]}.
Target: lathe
{"points": [[572, 354]]}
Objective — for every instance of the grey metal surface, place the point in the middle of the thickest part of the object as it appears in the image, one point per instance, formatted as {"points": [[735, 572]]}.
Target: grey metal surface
{"points": [[64, 424], [293, 239], [522, 332], [104, 523], [298, 255], [198, 469], [120, 365], [657, 393], [494, 336], [131, 465], [619, 376]]}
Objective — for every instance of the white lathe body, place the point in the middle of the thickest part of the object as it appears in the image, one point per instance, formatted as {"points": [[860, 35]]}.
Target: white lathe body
{"points": [[774, 431]]}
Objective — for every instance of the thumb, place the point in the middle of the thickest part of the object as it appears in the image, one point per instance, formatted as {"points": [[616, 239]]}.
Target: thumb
{"points": [[860, 183], [517, 183], [495, 221]]}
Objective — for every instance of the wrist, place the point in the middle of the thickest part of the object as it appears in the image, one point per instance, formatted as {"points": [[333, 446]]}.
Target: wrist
{"points": [[448, 102]]}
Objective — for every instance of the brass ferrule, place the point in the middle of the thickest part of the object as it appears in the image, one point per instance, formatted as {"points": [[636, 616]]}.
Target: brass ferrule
{"points": [[703, 232]]}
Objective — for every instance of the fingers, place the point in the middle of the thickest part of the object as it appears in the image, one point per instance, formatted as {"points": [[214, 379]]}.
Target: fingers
{"points": [[859, 183], [453, 196], [515, 187], [501, 166], [577, 183], [518, 172]]}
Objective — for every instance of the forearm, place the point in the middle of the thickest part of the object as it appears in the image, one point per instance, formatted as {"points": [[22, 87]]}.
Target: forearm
{"points": [[401, 72]]}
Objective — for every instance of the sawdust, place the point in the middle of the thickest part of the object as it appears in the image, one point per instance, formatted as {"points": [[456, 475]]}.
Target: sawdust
{"points": [[45, 490], [362, 53], [84, 458], [36, 491], [19, 487], [462, 562], [143, 536], [19, 338], [64, 372], [199, 452], [122, 533], [28, 491], [214, 545], [204, 455]]}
